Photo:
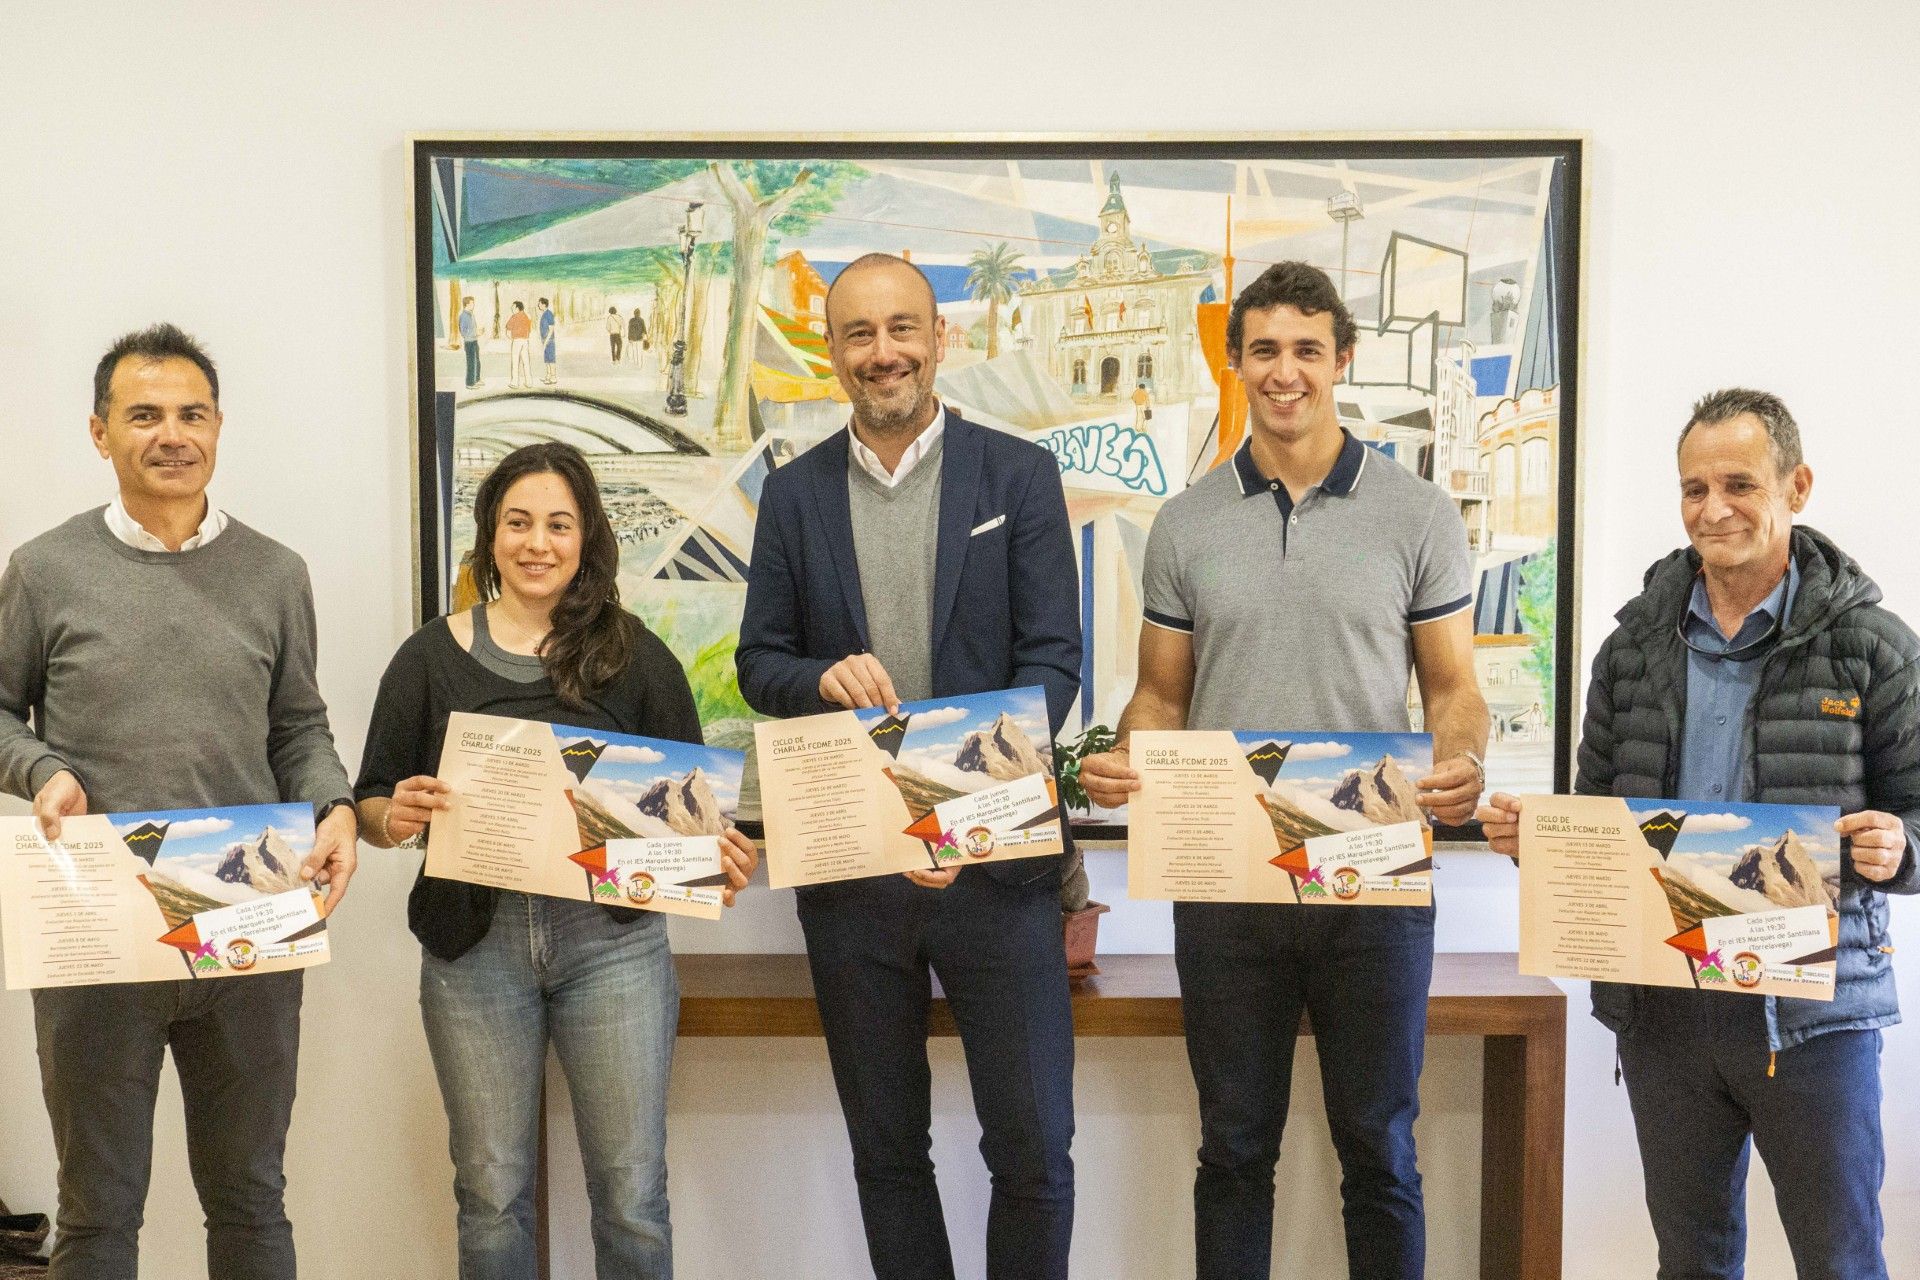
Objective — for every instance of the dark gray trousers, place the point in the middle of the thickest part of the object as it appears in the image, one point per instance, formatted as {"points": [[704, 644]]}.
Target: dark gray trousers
{"points": [[235, 1044]]}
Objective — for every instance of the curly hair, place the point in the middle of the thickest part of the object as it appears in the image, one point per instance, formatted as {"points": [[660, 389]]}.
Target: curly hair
{"points": [[592, 636], [1292, 284]]}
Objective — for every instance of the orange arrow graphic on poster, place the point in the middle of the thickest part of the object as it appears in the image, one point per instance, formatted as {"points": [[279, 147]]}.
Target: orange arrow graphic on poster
{"points": [[1691, 943], [928, 828], [186, 937], [602, 880], [1294, 861]]}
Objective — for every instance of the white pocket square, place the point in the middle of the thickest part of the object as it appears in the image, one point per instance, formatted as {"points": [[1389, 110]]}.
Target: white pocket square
{"points": [[988, 527]]}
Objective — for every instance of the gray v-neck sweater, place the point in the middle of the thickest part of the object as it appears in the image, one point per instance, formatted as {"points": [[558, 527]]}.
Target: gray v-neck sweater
{"points": [[895, 537], [164, 680]]}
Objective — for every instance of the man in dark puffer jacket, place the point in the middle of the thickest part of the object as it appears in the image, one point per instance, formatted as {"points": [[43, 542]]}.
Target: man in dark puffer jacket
{"points": [[1757, 665]]}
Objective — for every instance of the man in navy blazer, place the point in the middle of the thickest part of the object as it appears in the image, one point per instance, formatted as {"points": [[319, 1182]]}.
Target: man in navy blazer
{"points": [[918, 555]]}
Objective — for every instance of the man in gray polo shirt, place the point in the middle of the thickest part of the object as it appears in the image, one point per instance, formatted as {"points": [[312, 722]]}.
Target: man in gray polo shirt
{"points": [[163, 654], [1300, 588]]}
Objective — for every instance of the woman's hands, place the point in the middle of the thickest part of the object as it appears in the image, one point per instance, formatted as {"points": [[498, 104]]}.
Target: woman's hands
{"points": [[415, 801], [739, 857]]}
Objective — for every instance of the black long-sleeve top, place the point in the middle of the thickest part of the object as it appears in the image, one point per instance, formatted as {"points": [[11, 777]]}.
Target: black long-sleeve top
{"points": [[430, 678]]}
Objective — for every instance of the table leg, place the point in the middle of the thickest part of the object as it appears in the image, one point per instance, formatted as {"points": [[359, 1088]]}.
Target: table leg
{"points": [[1522, 1144]]}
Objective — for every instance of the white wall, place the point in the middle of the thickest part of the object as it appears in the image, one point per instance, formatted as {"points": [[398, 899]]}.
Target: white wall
{"points": [[241, 170]]}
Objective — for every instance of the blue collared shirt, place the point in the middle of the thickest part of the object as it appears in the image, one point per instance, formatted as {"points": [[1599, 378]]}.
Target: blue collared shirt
{"points": [[1713, 749]]}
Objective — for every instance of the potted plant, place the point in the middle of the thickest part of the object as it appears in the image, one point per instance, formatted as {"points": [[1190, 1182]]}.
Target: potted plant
{"points": [[1079, 917]]}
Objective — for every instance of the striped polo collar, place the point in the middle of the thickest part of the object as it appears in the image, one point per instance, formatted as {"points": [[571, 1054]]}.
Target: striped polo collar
{"points": [[1339, 481]]}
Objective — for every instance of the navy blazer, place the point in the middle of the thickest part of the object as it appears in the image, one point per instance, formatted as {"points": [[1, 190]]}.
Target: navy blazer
{"points": [[1004, 546]]}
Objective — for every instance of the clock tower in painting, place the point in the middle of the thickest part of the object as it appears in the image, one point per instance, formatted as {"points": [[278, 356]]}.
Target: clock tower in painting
{"points": [[1121, 317], [1114, 255]]}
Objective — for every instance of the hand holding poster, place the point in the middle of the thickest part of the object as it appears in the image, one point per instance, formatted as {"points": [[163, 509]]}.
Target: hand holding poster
{"points": [[145, 897], [585, 814], [1321, 818], [946, 782], [1723, 897]]}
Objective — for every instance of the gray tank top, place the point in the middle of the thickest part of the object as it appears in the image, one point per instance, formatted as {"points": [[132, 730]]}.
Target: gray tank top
{"points": [[517, 667]]}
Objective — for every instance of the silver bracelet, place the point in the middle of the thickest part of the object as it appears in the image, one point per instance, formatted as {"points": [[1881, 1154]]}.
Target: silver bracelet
{"points": [[1480, 766], [386, 829]]}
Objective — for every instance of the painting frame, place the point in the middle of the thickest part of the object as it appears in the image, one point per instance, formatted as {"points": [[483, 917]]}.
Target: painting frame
{"points": [[432, 411]]}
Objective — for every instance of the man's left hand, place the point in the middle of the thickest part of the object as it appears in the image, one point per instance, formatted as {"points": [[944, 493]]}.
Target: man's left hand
{"points": [[1452, 790], [335, 856], [1879, 843], [931, 879]]}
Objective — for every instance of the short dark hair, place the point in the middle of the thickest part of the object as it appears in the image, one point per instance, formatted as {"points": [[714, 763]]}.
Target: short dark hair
{"points": [[869, 260], [593, 637], [464, 301], [1783, 433], [543, 302], [1292, 284], [150, 345], [519, 305]]}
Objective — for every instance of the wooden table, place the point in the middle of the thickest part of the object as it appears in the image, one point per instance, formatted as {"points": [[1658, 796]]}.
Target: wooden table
{"points": [[1522, 1022]]}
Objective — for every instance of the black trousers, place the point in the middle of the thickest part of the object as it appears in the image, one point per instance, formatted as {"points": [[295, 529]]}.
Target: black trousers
{"points": [[997, 951]]}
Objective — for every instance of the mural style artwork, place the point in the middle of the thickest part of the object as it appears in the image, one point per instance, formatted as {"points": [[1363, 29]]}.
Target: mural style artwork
{"points": [[661, 305]]}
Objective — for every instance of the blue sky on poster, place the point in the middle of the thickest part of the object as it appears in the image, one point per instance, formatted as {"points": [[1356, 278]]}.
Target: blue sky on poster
{"points": [[200, 838], [938, 727], [1327, 758], [631, 764]]}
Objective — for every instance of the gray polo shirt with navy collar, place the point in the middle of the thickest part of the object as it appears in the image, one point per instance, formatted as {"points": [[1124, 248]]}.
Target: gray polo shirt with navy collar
{"points": [[1302, 614]]}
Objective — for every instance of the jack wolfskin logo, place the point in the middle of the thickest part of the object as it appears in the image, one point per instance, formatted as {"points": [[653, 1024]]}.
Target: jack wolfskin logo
{"points": [[1848, 708]]}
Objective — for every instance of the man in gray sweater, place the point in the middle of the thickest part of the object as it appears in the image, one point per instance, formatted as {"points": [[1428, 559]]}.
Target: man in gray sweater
{"points": [[156, 654]]}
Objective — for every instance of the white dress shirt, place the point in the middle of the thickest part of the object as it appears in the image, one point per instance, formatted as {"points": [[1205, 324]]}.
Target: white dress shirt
{"points": [[870, 461], [130, 531]]}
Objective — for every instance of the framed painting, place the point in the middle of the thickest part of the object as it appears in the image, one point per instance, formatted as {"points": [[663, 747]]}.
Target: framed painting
{"points": [[660, 303]]}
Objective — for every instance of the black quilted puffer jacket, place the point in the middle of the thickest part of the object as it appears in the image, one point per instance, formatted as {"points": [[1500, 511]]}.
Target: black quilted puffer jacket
{"points": [[1835, 720]]}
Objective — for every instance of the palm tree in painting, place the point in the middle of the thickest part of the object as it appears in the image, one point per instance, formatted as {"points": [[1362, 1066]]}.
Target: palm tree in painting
{"points": [[993, 274]]}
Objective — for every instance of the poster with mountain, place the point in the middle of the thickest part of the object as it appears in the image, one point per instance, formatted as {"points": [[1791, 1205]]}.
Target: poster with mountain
{"points": [[1319, 819], [585, 814], [942, 783], [1721, 897], [145, 897]]}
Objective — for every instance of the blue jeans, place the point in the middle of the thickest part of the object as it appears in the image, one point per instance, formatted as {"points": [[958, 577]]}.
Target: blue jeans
{"points": [[235, 1045], [1247, 971], [473, 363], [997, 951], [1695, 1066], [606, 997]]}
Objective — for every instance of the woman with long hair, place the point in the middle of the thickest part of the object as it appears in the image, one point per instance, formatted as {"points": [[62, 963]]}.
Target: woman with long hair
{"points": [[503, 974]]}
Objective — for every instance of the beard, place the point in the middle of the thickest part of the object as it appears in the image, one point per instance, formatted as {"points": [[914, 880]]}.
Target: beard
{"points": [[892, 412]]}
